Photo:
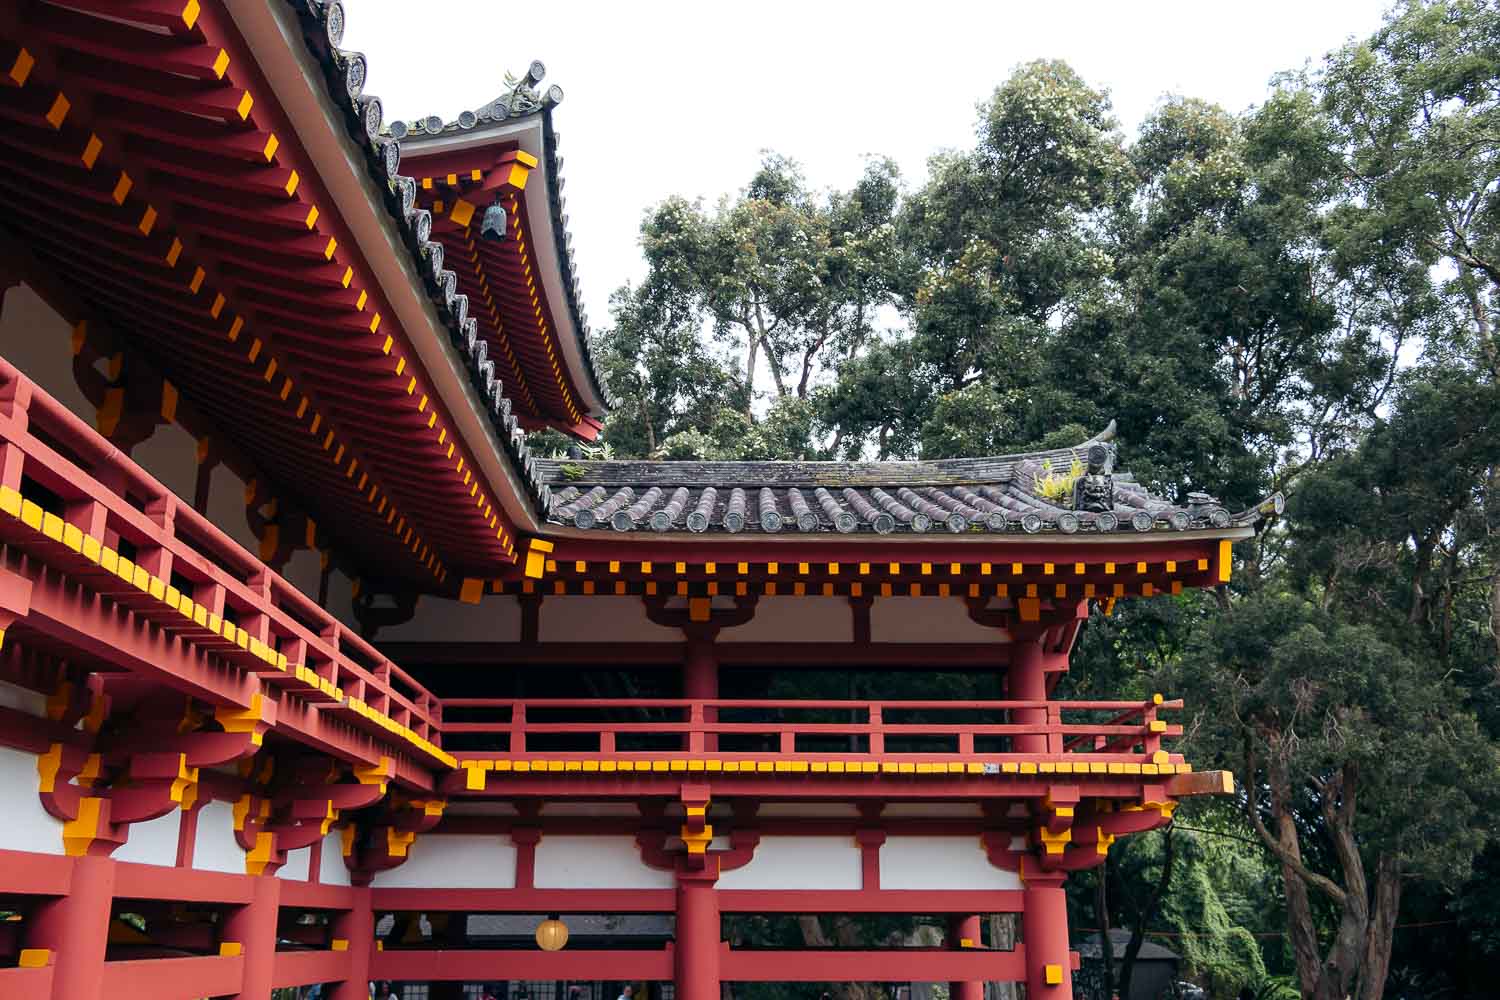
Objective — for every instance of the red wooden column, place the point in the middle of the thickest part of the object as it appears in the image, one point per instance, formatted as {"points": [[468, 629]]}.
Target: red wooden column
{"points": [[700, 679], [253, 928], [75, 928], [696, 950], [355, 927], [961, 928], [1044, 933], [1027, 681]]}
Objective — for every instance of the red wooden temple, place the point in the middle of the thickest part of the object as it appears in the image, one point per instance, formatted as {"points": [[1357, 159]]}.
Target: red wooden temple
{"points": [[311, 672]]}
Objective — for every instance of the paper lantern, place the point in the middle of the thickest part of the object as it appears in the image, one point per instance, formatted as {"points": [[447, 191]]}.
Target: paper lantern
{"points": [[551, 934]]}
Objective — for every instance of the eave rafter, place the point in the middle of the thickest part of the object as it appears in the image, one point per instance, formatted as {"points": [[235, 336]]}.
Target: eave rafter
{"points": [[502, 281], [156, 168]]}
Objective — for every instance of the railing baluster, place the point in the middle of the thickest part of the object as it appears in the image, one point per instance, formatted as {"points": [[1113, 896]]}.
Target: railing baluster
{"points": [[518, 728], [695, 727], [874, 723]]}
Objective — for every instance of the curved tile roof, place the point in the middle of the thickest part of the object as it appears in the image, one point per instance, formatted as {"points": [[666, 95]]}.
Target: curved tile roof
{"points": [[344, 75], [994, 495], [523, 99]]}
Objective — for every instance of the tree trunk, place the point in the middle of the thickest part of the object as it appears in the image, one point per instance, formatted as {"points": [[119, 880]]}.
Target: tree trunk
{"points": [[1003, 938], [1101, 913], [1492, 529], [1381, 932], [813, 936], [1143, 917], [1299, 915], [750, 362]]}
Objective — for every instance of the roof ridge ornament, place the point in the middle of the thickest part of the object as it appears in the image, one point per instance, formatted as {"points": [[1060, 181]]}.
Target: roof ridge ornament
{"points": [[522, 96]]}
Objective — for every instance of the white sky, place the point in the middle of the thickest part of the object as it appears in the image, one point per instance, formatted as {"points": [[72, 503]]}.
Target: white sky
{"points": [[667, 98]]}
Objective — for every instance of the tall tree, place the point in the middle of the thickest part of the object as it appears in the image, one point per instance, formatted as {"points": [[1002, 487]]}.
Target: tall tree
{"points": [[789, 277]]}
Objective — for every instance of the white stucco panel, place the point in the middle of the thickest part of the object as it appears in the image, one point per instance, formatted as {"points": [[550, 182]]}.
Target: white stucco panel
{"points": [[27, 826], [927, 619], [909, 862], [297, 865], [796, 619], [23, 699], [799, 863], [331, 867], [582, 862], [153, 842], [454, 861], [599, 619], [495, 618], [215, 849]]}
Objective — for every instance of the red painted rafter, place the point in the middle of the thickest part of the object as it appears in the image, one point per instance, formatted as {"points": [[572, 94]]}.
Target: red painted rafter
{"points": [[138, 115]]}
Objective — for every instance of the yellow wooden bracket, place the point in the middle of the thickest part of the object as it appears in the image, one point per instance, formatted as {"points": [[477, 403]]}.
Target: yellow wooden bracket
{"points": [[536, 557]]}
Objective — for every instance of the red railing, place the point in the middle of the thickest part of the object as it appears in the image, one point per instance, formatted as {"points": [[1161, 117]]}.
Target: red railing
{"points": [[629, 728], [94, 488], [56, 460]]}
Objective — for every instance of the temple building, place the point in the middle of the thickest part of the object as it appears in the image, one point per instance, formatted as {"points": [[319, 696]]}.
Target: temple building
{"points": [[313, 673]]}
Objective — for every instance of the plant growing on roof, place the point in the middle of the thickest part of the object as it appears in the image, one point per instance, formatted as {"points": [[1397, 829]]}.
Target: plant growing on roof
{"points": [[1057, 487]]}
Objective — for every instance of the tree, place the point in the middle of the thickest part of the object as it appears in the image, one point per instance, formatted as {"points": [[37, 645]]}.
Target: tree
{"points": [[786, 276], [1337, 733]]}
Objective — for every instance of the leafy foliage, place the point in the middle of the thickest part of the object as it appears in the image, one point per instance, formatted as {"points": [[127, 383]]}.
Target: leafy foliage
{"points": [[1296, 297]]}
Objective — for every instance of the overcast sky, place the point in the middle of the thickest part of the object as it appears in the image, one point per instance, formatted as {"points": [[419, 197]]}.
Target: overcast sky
{"points": [[680, 98]]}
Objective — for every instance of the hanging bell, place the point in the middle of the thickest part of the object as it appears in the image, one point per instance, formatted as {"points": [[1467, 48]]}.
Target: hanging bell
{"points": [[493, 226]]}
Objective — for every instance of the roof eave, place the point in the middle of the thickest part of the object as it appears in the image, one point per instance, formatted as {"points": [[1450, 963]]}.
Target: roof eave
{"points": [[534, 134], [275, 34]]}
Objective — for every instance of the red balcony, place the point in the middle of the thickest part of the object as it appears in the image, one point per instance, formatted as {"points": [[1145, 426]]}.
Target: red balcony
{"points": [[900, 737], [72, 503]]}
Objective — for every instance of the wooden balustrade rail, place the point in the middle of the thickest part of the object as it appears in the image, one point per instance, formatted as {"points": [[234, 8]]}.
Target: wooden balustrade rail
{"points": [[99, 501], [695, 722]]}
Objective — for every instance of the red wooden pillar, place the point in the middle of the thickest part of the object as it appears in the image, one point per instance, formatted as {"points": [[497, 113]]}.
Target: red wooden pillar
{"points": [[696, 950], [1044, 933], [355, 927], [700, 682], [75, 928], [963, 928], [253, 928], [1028, 682]]}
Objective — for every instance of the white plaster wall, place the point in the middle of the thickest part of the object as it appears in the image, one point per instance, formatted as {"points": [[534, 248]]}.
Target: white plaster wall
{"points": [[153, 842], [590, 809], [295, 869], [823, 810], [39, 342], [566, 862], [796, 619], [927, 619], [341, 599], [954, 810], [457, 861], [331, 867], [599, 619], [23, 699], [214, 848], [303, 571], [171, 455], [226, 507], [912, 862], [496, 618], [27, 826], [799, 863]]}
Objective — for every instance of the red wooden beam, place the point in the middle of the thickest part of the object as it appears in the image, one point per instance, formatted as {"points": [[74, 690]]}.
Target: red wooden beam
{"points": [[527, 900], [484, 964], [302, 968], [890, 965], [188, 885], [207, 976], [28, 874]]}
